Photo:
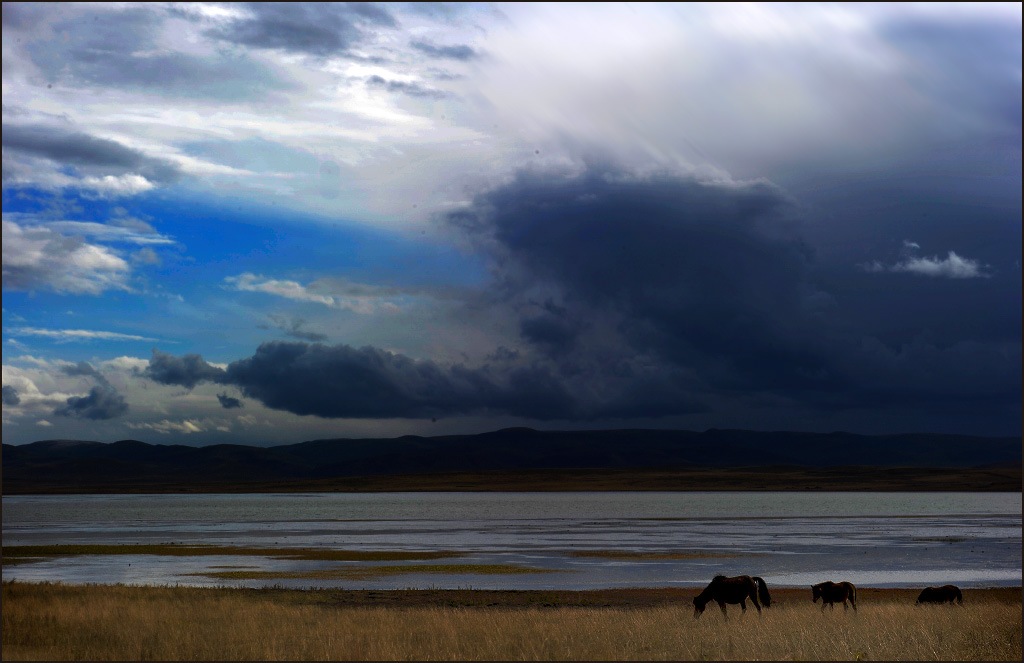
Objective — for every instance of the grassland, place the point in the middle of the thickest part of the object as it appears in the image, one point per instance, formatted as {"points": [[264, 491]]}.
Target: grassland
{"points": [[58, 622]]}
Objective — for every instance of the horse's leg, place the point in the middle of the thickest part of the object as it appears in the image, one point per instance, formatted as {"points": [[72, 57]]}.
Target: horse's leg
{"points": [[721, 604], [743, 604], [845, 607]]}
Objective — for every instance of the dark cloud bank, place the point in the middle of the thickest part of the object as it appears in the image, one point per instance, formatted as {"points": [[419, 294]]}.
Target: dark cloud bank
{"points": [[83, 151], [10, 395], [102, 402], [320, 29], [228, 402], [450, 52], [121, 47], [652, 296]]}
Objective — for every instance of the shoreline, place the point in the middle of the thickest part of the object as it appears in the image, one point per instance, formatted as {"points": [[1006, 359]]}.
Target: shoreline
{"points": [[750, 479], [626, 597]]}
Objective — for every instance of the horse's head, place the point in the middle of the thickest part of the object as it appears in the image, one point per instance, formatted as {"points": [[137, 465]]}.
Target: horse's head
{"points": [[815, 593], [698, 606]]}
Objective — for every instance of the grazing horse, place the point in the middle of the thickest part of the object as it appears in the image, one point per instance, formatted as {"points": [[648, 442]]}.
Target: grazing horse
{"points": [[833, 592], [724, 590], [944, 594]]}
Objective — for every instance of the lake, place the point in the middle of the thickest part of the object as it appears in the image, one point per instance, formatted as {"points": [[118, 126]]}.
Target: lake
{"points": [[790, 539]]}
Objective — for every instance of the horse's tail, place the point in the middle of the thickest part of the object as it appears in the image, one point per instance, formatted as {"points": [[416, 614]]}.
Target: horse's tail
{"points": [[959, 596], [762, 592], [853, 594]]}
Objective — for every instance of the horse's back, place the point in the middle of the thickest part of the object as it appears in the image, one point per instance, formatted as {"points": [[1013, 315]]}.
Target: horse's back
{"points": [[944, 594]]}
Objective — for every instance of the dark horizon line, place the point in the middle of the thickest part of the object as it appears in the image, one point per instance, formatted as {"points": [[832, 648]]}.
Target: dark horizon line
{"points": [[528, 429]]}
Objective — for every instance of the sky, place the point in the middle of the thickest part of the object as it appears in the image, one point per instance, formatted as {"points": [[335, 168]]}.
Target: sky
{"points": [[269, 223]]}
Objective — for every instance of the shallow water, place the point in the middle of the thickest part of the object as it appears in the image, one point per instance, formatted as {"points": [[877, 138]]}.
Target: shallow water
{"points": [[871, 539]]}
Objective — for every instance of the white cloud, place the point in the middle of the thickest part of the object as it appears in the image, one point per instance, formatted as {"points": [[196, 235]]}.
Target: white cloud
{"points": [[37, 258], [359, 298], [45, 174], [112, 186], [185, 427], [952, 266], [40, 388], [288, 289], [44, 423], [80, 334], [103, 232]]}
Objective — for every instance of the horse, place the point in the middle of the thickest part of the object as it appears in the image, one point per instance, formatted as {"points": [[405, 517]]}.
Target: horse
{"points": [[738, 589], [944, 594], [832, 592]]}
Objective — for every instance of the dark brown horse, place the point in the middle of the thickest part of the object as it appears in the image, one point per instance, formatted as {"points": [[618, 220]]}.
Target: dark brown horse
{"points": [[944, 594], [831, 593], [738, 589]]}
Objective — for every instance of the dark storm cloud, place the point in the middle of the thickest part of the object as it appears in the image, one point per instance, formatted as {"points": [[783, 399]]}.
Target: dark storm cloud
{"points": [[452, 52], [640, 296], [227, 402], [341, 381], [10, 395], [185, 371], [344, 382], [962, 375], [550, 327], [665, 291], [411, 89], [710, 274], [103, 402], [311, 28], [503, 354], [118, 48], [82, 150]]}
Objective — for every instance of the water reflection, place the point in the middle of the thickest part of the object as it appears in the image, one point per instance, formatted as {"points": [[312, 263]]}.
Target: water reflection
{"points": [[873, 539]]}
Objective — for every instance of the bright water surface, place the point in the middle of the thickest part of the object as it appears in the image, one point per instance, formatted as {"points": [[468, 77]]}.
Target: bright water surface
{"points": [[870, 539]]}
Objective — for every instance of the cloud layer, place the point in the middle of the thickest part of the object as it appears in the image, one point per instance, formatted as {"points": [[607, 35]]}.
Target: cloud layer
{"points": [[634, 295], [395, 219]]}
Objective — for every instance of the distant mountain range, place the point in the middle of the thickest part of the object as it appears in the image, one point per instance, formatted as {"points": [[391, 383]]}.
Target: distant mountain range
{"points": [[75, 465]]}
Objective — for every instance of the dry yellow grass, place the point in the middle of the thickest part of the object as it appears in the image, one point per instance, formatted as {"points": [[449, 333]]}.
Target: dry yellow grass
{"points": [[59, 622]]}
